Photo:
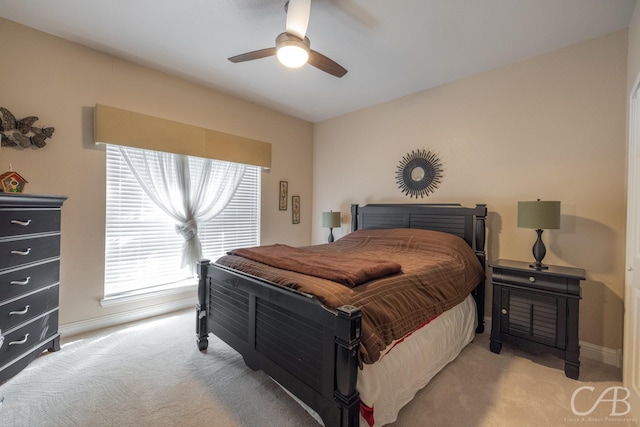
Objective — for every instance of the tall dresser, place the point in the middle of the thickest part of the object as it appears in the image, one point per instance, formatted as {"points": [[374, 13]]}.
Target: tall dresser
{"points": [[29, 279]]}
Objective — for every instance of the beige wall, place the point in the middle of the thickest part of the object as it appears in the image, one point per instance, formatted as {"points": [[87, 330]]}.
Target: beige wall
{"points": [[60, 82], [633, 69], [552, 127]]}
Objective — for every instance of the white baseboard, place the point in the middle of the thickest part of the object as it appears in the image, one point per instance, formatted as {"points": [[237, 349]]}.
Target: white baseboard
{"points": [[75, 328], [587, 350], [601, 354]]}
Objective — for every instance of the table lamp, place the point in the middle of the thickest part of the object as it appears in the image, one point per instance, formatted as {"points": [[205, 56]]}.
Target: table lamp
{"points": [[539, 215], [330, 220]]}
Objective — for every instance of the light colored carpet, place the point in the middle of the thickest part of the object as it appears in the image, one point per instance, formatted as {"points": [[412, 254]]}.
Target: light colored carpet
{"points": [[151, 374]]}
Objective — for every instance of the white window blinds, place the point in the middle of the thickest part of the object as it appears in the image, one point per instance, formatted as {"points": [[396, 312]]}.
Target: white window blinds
{"points": [[143, 250]]}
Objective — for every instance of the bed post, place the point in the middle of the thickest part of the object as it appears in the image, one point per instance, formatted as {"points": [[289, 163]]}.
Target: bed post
{"points": [[202, 333], [480, 232], [348, 330], [480, 237], [354, 217]]}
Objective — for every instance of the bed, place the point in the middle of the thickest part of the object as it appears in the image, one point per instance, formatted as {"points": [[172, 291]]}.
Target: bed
{"points": [[314, 347]]}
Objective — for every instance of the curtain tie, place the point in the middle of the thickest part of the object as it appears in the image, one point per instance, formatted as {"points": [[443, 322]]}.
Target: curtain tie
{"points": [[187, 230]]}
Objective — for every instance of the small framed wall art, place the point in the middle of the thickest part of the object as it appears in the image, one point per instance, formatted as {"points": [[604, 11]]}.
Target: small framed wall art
{"points": [[295, 209], [284, 195]]}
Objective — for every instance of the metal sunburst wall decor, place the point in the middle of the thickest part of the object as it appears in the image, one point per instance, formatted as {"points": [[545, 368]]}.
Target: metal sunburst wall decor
{"points": [[419, 173]]}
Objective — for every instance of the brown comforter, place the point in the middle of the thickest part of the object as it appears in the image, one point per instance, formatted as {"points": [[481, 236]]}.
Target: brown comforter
{"points": [[439, 270]]}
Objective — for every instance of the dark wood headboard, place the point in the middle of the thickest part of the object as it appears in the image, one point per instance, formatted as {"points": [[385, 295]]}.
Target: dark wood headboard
{"points": [[468, 223]]}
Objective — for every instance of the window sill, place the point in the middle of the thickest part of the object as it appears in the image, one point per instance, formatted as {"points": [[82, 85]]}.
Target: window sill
{"points": [[147, 294]]}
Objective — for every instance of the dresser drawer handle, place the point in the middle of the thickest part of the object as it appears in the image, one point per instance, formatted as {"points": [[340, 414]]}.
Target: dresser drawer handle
{"points": [[23, 223], [24, 253], [19, 342], [21, 282], [19, 312], [503, 311], [532, 279]]}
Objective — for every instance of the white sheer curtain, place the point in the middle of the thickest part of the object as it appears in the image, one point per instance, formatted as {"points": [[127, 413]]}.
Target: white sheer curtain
{"points": [[189, 190]]}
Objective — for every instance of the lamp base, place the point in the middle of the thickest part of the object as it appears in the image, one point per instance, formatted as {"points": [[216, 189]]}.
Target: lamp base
{"points": [[539, 266], [331, 235], [539, 251]]}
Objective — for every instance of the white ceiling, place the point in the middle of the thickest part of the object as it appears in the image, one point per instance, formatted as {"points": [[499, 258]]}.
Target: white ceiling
{"points": [[391, 48]]}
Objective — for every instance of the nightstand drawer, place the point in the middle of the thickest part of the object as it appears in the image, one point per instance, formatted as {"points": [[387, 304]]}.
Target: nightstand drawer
{"points": [[14, 222], [19, 281], [532, 278], [23, 251], [20, 340], [28, 307]]}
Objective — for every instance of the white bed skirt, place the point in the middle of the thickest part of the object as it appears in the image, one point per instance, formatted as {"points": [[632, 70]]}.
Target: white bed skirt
{"points": [[391, 382]]}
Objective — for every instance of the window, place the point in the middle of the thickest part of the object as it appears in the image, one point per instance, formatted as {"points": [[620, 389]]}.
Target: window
{"points": [[143, 250]]}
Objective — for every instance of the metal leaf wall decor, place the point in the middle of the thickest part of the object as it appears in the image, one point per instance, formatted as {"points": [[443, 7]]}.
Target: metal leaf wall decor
{"points": [[419, 173], [21, 133]]}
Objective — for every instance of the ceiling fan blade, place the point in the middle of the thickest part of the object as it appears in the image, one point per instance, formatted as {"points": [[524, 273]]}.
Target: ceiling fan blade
{"points": [[325, 64], [298, 12], [256, 54]]}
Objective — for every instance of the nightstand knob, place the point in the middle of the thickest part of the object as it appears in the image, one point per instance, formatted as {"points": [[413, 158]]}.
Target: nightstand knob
{"points": [[504, 311], [532, 279]]}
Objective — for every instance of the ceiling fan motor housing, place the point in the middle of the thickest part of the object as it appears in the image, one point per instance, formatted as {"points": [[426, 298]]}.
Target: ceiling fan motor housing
{"points": [[292, 51]]}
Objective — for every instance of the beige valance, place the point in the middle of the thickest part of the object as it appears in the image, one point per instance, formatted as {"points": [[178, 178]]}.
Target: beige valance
{"points": [[122, 127]]}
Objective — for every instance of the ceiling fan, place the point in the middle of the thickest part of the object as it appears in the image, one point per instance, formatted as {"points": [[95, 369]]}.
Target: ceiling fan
{"points": [[293, 47]]}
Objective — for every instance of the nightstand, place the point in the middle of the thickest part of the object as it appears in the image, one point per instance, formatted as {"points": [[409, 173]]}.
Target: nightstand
{"points": [[537, 309]]}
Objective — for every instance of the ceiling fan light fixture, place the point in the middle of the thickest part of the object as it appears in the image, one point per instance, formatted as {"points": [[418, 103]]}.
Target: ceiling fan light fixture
{"points": [[292, 51]]}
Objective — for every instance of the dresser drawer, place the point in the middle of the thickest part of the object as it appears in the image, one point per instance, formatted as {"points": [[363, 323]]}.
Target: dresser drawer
{"points": [[14, 222], [19, 341], [532, 279], [26, 250], [20, 281], [16, 365], [16, 312]]}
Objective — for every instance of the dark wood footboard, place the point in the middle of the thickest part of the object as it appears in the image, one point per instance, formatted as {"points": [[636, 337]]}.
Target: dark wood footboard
{"points": [[307, 348]]}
